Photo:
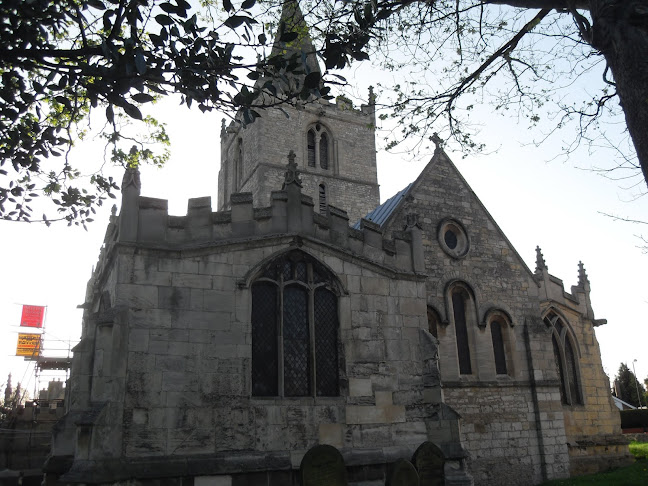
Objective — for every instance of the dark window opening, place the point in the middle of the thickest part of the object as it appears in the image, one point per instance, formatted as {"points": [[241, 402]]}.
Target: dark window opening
{"points": [[450, 238], [498, 347], [323, 146], [433, 322], [559, 366], [459, 301], [311, 148]]}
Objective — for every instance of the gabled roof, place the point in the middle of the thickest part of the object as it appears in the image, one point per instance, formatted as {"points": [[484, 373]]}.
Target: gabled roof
{"points": [[621, 405], [382, 212]]}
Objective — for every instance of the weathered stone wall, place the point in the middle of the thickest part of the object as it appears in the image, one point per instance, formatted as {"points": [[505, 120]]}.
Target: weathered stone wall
{"points": [[167, 366], [512, 425], [593, 428], [351, 179]]}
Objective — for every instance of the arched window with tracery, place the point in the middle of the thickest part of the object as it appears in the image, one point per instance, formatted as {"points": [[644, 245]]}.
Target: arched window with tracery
{"points": [[295, 329], [463, 310], [318, 147], [564, 344]]}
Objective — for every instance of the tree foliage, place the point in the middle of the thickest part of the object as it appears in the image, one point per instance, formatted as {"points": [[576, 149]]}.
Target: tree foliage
{"points": [[626, 386], [535, 59], [62, 61]]}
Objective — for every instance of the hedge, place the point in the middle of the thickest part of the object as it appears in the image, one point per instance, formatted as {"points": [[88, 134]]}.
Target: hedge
{"points": [[632, 419]]}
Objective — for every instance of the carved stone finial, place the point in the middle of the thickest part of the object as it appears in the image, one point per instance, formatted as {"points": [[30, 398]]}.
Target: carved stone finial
{"points": [[292, 174], [223, 127], [131, 178], [372, 96], [541, 266], [113, 210], [582, 276], [438, 142]]}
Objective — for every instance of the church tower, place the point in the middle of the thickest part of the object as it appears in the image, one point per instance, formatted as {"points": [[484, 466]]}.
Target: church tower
{"points": [[334, 145]]}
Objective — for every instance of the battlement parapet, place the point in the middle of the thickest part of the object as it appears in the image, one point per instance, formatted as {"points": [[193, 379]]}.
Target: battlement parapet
{"points": [[290, 212]]}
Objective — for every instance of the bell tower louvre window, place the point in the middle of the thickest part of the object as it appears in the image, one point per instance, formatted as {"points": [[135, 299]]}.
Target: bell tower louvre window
{"points": [[318, 147]]}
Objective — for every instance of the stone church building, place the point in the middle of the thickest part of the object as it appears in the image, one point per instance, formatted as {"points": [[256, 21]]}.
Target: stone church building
{"points": [[220, 346]]}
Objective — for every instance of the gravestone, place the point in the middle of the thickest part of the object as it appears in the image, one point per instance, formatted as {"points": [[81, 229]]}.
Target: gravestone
{"points": [[403, 473], [428, 461], [323, 465]]}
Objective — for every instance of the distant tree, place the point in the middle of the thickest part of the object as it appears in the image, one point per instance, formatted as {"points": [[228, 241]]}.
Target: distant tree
{"points": [[63, 61], [627, 385]]}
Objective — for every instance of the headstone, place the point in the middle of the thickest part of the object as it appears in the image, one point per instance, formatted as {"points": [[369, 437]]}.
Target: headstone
{"points": [[323, 465], [428, 461], [403, 473]]}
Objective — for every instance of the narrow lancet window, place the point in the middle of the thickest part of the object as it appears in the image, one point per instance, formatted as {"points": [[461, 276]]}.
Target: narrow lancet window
{"points": [[459, 301], [311, 148], [498, 347]]}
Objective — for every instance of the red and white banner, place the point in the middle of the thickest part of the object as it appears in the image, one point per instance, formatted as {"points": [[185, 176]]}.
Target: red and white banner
{"points": [[32, 316]]}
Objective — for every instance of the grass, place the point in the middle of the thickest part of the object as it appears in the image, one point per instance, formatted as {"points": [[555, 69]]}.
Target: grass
{"points": [[634, 475]]}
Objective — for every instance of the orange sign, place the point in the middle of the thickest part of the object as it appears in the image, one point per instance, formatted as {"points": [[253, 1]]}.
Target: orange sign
{"points": [[32, 316], [28, 345]]}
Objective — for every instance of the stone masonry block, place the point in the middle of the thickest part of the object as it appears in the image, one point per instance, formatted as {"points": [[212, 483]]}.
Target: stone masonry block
{"points": [[360, 387], [138, 340]]}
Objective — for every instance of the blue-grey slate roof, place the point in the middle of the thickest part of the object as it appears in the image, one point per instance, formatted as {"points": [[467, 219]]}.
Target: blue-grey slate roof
{"points": [[381, 213]]}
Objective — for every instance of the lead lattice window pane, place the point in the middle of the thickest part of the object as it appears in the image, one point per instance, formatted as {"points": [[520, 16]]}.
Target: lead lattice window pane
{"points": [[296, 342], [264, 340], [326, 355]]}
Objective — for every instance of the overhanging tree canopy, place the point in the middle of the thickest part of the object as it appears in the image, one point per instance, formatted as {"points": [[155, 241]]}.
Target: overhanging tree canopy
{"points": [[527, 56], [60, 60]]}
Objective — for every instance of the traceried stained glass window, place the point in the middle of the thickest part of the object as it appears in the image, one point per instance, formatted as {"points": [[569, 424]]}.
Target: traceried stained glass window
{"points": [[566, 359], [294, 346]]}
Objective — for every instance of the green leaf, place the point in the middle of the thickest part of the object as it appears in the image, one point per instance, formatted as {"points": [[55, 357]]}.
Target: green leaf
{"points": [[163, 19], [132, 111], [248, 4], [96, 4], [234, 21], [142, 97], [227, 5], [262, 38]]}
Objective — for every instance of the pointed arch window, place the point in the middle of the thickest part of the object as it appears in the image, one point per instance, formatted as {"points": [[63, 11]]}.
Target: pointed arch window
{"points": [[318, 147], [566, 359], [295, 329]]}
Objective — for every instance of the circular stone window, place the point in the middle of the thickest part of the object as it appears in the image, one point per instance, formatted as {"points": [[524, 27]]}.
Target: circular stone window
{"points": [[453, 238]]}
